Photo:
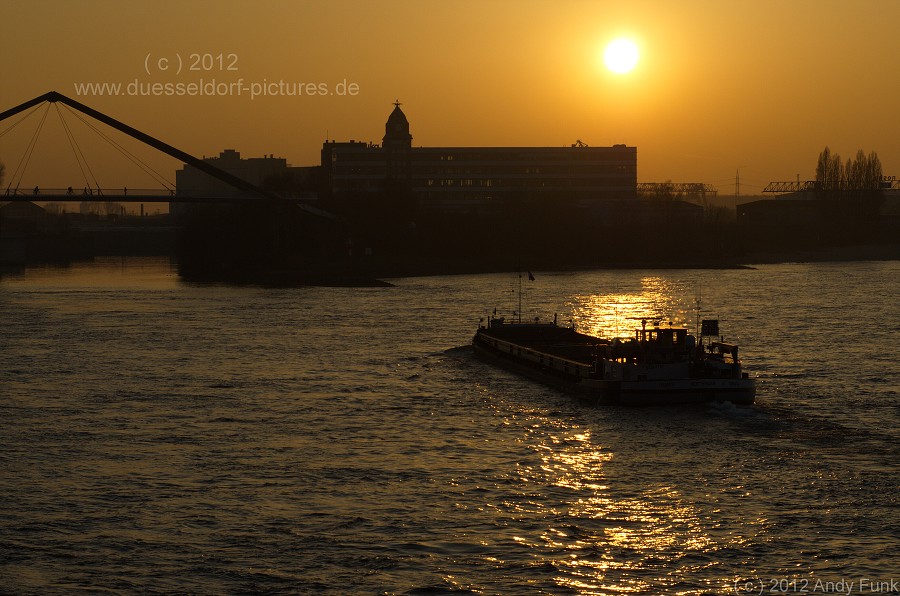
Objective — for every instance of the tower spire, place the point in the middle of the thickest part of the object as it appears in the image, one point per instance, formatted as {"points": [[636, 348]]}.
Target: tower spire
{"points": [[397, 144]]}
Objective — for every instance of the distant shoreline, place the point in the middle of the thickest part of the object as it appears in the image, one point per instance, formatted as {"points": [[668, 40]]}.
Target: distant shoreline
{"points": [[837, 254], [873, 252], [376, 271]]}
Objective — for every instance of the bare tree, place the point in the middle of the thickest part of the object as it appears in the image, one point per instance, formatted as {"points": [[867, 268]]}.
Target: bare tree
{"points": [[854, 171], [873, 172], [862, 173], [829, 171], [836, 172]]}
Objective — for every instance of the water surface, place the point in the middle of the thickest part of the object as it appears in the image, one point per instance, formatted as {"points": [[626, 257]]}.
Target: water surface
{"points": [[161, 436]]}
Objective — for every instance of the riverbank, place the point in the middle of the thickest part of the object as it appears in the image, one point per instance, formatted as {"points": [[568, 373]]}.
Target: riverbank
{"points": [[369, 267], [372, 271], [864, 252], [418, 267]]}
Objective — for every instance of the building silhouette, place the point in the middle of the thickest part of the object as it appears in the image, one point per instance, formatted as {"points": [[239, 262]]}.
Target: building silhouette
{"points": [[268, 172], [475, 179]]}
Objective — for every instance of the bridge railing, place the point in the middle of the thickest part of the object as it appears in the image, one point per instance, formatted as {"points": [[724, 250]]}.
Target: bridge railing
{"points": [[86, 193], [142, 195]]}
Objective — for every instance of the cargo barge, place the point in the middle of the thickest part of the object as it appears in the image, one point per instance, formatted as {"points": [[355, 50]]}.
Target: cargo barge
{"points": [[658, 365]]}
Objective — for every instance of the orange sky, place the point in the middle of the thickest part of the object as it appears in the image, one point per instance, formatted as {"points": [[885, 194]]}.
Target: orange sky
{"points": [[762, 86]]}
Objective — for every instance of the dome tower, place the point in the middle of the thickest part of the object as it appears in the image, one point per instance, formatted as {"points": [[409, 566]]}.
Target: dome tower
{"points": [[397, 143]]}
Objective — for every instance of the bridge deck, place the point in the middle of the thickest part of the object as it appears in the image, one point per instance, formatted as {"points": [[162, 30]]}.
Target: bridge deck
{"points": [[128, 198]]}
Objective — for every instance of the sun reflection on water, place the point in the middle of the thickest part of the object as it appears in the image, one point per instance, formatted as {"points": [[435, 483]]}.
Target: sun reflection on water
{"points": [[599, 540], [611, 523], [616, 314]]}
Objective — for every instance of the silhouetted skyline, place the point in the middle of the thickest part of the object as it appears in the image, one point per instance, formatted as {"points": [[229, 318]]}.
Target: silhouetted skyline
{"points": [[719, 87]]}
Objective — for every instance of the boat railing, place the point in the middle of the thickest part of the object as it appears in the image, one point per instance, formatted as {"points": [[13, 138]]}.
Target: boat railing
{"points": [[501, 321], [540, 357]]}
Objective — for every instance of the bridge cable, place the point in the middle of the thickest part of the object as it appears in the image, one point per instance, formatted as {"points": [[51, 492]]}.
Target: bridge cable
{"points": [[20, 120], [147, 169], [76, 150], [121, 149], [29, 150]]}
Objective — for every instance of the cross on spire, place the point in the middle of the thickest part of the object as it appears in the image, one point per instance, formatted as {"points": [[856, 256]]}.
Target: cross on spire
{"points": [[397, 103]]}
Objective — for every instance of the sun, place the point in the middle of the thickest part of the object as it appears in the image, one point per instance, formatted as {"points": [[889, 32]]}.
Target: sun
{"points": [[621, 56]]}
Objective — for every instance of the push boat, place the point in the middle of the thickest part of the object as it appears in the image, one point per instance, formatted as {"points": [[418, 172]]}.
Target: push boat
{"points": [[658, 365]]}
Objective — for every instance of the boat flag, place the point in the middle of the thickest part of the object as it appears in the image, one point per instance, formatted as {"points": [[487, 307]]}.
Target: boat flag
{"points": [[530, 276]]}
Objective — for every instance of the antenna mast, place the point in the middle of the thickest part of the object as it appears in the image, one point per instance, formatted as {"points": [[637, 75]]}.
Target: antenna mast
{"points": [[699, 298], [520, 295]]}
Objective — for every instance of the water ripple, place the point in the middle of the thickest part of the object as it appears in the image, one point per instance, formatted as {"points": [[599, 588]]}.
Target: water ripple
{"points": [[173, 438]]}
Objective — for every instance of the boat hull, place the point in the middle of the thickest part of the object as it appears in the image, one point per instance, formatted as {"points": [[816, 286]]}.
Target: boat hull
{"points": [[684, 391]]}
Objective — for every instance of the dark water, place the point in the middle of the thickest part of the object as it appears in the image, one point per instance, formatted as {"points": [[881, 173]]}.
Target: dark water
{"points": [[162, 437]]}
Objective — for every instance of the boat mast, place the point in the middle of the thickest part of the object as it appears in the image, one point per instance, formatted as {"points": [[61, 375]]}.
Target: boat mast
{"points": [[520, 295], [699, 297]]}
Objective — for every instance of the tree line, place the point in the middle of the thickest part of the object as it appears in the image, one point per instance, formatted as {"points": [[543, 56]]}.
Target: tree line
{"points": [[860, 174]]}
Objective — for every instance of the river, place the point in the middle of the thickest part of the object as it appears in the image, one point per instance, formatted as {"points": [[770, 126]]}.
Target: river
{"points": [[160, 436]]}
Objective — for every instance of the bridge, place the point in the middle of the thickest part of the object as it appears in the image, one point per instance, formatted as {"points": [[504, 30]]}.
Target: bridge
{"points": [[251, 192], [788, 187], [120, 195]]}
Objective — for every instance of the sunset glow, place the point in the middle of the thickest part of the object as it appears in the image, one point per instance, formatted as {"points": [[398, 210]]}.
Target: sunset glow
{"points": [[315, 71]]}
